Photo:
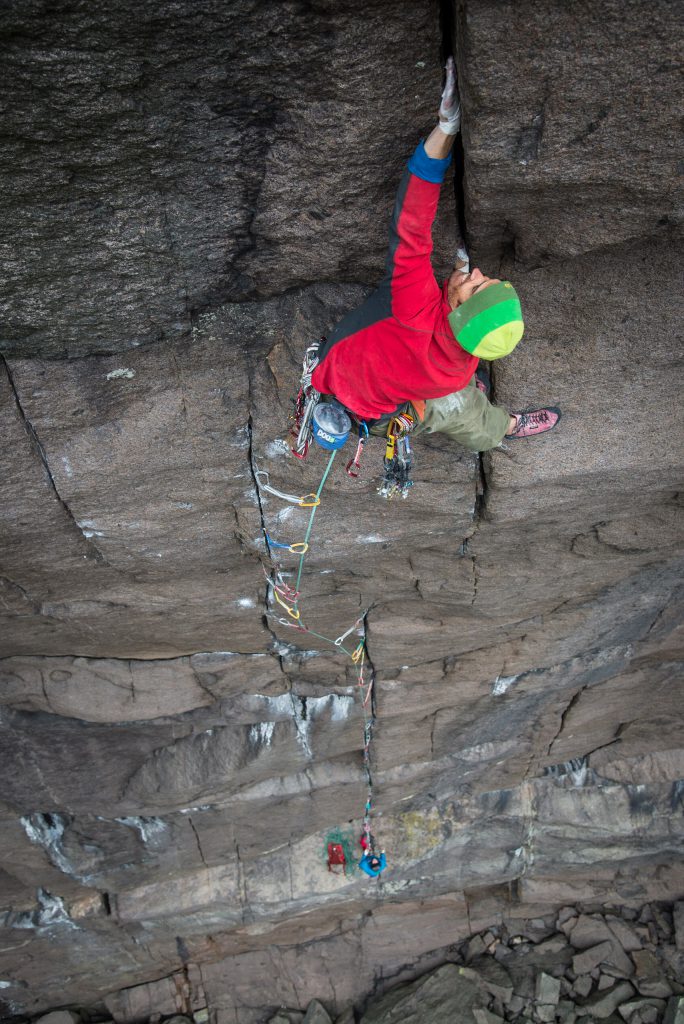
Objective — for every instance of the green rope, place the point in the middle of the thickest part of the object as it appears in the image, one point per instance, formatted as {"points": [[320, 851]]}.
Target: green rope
{"points": [[368, 718]]}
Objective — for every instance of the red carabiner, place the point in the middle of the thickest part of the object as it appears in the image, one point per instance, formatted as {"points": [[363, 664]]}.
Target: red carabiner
{"points": [[356, 460], [302, 454]]}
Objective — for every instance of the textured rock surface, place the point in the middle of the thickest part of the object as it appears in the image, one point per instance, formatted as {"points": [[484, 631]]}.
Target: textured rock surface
{"points": [[174, 759], [179, 158], [567, 131]]}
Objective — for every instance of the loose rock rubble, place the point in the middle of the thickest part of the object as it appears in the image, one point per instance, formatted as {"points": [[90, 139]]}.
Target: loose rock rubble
{"points": [[578, 966], [621, 965]]}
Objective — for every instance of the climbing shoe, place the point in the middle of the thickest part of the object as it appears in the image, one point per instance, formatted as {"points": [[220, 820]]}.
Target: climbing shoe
{"points": [[483, 382], [534, 421]]}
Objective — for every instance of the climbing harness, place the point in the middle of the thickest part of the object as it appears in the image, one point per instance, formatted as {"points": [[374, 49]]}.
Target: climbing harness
{"points": [[308, 411]]}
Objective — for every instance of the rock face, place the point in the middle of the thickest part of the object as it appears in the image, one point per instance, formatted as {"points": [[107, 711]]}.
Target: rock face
{"points": [[198, 192], [567, 134], [165, 161]]}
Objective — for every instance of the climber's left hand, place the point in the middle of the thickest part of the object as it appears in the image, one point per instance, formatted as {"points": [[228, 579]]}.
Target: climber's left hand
{"points": [[450, 107]]}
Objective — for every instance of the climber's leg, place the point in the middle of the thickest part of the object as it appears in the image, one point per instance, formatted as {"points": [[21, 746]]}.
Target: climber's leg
{"points": [[467, 417]]}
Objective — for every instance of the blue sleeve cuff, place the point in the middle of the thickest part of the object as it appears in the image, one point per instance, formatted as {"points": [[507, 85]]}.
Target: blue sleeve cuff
{"points": [[427, 167]]}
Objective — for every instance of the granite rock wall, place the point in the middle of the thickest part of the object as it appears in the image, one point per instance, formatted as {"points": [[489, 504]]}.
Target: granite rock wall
{"points": [[198, 191]]}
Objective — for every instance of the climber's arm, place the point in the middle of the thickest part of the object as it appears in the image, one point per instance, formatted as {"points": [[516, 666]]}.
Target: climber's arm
{"points": [[441, 139], [409, 269], [438, 146]]}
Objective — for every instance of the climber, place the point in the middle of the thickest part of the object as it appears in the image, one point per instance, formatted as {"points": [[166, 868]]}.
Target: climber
{"points": [[413, 347], [373, 865]]}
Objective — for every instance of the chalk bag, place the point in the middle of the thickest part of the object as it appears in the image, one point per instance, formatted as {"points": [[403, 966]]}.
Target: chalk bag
{"points": [[331, 425]]}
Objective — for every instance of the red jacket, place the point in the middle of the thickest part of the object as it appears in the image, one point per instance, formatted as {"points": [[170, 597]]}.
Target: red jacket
{"points": [[398, 346]]}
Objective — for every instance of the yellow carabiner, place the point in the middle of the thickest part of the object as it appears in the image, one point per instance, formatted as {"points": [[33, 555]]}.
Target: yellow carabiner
{"points": [[306, 502], [292, 612], [358, 653], [300, 548]]}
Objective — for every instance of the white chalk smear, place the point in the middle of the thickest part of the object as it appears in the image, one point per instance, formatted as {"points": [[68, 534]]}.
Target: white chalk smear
{"points": [[123, 373], [262, 733], [502, 683], [274, 449]]}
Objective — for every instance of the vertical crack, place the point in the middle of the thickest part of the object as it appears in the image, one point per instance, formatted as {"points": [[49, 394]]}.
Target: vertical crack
{"points": [[93, 552], [265, 618], [245, 913], [197, 840], [447, 26], [561, 725], [481, 490]]}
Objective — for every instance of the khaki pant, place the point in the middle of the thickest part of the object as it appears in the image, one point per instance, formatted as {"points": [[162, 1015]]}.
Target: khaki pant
{"points": [[466, 416]]}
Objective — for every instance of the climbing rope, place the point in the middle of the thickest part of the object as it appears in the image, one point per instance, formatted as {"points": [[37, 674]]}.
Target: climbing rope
{"points": [[288, 597]]}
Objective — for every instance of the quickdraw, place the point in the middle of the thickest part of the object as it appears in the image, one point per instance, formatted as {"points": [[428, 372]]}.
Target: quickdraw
{"points": [[300, 547], [397, 478], [304, 500], [353, 467]]}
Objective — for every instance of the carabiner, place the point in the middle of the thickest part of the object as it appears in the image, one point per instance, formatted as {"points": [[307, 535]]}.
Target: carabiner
{"points": [[304, 501], [300, 548], [287, 592], [292, 612]]}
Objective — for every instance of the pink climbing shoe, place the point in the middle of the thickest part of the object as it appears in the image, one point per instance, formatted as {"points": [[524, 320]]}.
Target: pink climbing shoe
{"points": [[533, 422]]}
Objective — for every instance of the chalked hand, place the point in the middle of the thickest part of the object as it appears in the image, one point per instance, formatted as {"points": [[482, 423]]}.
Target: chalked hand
{"points": [[450, 107]]}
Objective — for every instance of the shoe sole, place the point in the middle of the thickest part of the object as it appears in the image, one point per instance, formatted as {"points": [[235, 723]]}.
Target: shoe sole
{"points": [[526, 437]]}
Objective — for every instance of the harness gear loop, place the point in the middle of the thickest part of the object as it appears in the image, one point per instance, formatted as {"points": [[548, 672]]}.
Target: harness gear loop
{"points": [[397, 478], [306, 401]]}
